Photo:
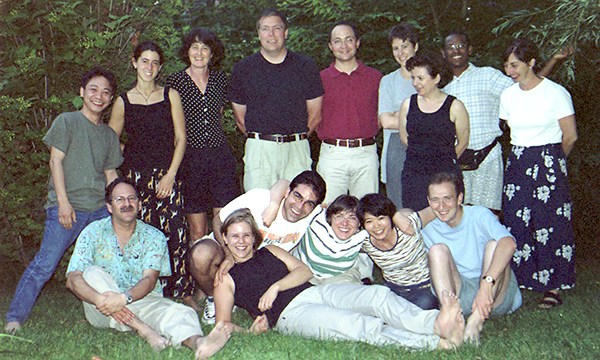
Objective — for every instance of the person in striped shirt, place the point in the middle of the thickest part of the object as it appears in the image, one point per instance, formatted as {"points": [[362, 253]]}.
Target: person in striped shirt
{"points": [[400, 254]]}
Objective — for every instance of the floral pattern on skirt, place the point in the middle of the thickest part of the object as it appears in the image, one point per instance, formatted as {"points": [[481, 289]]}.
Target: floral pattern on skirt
{"points": [[537, 212], [166, 215]]}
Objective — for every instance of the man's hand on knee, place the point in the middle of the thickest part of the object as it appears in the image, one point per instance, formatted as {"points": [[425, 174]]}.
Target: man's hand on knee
{"points": [[111, 303], [224, 268]]}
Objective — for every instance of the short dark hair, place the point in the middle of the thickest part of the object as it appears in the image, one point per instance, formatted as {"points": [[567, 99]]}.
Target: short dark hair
{"points": [[352, 25], [273, 12], [114, 183], [524, 50], [243, 215], [457, 33], [448, 177], [206, 37], [376, 205], [312, 179], [340, 204], [96, 72], [147, 45], [404, 31], [435, 65]]}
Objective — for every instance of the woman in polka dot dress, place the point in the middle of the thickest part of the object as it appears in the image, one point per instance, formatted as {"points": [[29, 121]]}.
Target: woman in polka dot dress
{"points": [[208, 170]]}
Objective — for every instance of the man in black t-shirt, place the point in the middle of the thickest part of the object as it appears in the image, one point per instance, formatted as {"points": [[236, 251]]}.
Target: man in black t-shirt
{"points": [[276, 97]]}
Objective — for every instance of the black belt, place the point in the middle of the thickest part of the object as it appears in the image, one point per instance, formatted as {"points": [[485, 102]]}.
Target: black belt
{"points": [[277, 138], [352, 143]]}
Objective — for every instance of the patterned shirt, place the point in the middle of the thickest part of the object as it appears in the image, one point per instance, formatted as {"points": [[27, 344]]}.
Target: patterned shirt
{"points": [[479, 88], [147, 249], [406, 263], [202, 110]]}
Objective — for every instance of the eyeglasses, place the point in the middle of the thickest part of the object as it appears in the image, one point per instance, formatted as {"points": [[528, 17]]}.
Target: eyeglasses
{"points": [[121, 199], [455, 46], [338, 218]]}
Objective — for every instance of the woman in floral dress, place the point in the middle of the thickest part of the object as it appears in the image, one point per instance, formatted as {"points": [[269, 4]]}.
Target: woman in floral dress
{"points": [[537, 202]]}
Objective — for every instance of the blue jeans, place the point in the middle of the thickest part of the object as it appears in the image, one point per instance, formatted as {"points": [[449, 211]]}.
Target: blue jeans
{"points": [[56, 241], [419, 294]]}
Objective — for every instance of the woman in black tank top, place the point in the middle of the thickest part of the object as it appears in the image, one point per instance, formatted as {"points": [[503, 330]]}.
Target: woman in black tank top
{"points": [[434, 126], [273, 287], [152, 117]]}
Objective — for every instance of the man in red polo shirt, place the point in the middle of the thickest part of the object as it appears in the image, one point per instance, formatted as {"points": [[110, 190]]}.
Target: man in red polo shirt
{"points": [[348, 161]]}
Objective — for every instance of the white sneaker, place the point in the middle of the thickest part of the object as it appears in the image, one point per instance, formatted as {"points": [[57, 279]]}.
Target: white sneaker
{"points": [[208, 318]]}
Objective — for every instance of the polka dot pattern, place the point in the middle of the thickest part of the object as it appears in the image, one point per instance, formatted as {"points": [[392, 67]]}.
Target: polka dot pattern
{"points": [[202, 110]]}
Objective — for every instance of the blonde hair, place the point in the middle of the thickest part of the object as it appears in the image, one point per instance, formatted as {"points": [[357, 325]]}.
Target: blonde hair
{"points": [[243, 215]]}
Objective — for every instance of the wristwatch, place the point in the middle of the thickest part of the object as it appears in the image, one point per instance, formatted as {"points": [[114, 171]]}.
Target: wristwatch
{"points": [[128, 297], [489, 279]]}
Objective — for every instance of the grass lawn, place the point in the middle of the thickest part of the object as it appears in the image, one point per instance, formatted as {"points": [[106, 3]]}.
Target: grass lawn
{"points": [[57, 329]]}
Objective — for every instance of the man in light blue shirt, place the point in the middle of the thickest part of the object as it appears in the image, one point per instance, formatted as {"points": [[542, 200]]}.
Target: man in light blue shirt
{"points": [[469, 254]]}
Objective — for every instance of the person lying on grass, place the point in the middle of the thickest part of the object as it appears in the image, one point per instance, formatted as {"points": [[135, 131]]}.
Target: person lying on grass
{"points": [[114, 270], [273, 287]]}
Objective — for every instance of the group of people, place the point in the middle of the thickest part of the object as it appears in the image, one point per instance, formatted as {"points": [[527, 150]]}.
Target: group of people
{"points": [[294, 264]]}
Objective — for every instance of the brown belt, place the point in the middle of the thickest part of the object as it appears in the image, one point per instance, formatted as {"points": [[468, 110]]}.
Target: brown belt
{"points": [[352, 143], [277, 138]]}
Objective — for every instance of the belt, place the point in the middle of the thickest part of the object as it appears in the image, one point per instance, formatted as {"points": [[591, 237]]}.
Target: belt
{"points": [[277, 138], [352, 143]]}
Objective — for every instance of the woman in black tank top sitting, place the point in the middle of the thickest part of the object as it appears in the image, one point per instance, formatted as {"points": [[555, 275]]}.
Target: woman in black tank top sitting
{"points": [[273, 287]]}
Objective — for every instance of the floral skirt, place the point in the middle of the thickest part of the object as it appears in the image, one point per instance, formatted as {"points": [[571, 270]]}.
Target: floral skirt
{"points": [[166, 215], [537, 212]]}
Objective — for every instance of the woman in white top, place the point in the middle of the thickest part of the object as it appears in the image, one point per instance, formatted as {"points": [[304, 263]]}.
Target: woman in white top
{"points": [[537, 202]]}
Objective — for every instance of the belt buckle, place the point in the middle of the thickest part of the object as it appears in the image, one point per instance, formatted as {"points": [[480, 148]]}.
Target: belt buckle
{"points": [[279, 139]]}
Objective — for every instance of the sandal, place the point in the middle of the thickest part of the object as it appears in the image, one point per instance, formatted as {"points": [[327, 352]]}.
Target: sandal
{"points": [[550, 301]]}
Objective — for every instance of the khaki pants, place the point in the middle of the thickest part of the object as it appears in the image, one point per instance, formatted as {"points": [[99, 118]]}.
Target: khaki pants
{"points": [[172, 320]]}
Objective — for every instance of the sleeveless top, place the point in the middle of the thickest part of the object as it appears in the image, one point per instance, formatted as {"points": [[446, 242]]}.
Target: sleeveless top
{"points": [[150, 134], [431, 139], [254, 277]]}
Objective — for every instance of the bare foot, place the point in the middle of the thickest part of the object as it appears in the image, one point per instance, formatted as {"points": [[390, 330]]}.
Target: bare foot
{"points": [[207, 346], [473, 329], [12, 327], [156, 341], [450, 323]]}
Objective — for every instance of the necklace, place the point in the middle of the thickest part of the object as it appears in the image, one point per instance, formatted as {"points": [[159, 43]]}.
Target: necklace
{"points": [[142, 95]]}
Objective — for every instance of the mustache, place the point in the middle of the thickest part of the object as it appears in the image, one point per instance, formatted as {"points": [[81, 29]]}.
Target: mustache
{"points": [[127, 208]]}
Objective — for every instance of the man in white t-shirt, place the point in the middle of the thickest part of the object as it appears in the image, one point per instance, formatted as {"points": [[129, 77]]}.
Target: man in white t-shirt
{"points": [[469, 254], [210, 258]]}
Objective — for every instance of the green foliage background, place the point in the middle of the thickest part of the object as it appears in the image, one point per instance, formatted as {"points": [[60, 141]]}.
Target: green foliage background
{"points": [[47, 45]]}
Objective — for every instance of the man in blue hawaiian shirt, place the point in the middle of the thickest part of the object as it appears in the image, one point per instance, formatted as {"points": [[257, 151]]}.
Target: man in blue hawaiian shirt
{"points": [[115, 268]]}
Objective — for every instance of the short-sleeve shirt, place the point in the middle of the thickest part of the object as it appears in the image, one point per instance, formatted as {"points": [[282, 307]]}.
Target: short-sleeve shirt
{"points": [[467, 240], [98, 245], [479, 88], [89, 150], [275, 95], [406, 263], [393, 89], [281, 233], [202, 110], [323, 252], [533, 115], [350, 103]]}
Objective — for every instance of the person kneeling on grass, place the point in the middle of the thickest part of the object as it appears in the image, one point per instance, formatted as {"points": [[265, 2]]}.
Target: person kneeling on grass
{"points": [[273, 287], [114, 270]]}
